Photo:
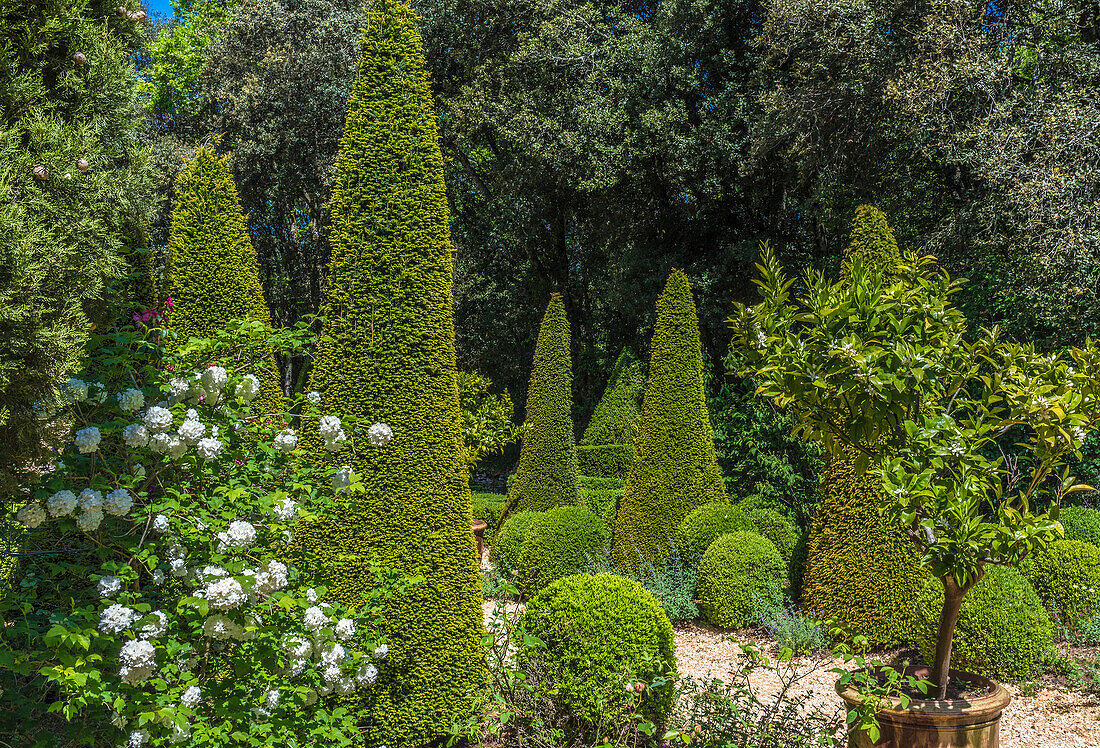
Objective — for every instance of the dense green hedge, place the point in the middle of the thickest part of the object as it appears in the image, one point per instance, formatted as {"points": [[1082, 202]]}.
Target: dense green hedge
{"points": [[505, 552], [387, 354], [1081, 523], [605, 503], [705, 523], [1003, 630], [488, 507], [1067, 577], [600, 483], [598, 629], [605, 460], [547, 472], [561, 542], [675, 468], [615, 419], [736, 567]]}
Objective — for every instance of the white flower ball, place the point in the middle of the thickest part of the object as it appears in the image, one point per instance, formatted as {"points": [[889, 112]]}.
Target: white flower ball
{"points": [[32, 515], [138, 738], [156, 627], [108, 585], [160, 443], [135, 435], [118, 502], [213, 380], [342, 478], [379, 435], [131, 400], [192, 430], [271, 698], [272, 577], [160, 524], [157, 419], [299, 648], [222, 628], [285, 510], [209, 448], [334, 655], [381, 651], [332, 674], [178, 568], [248, 388], [90, 519], [286, 440], [138, 659], [116, 619], [225, 594], [332, 432], [90, 499], [345, 629], [191, 696], [314, 397], [61, 503], [87, 440], [178, 389], [76, 390], [314, 619], [176, 447], [240, 534], [367, 675], [311, 595]]}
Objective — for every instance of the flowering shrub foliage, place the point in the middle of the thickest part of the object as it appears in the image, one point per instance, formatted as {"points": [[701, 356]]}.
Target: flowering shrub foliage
{"points": [[172, 618]]}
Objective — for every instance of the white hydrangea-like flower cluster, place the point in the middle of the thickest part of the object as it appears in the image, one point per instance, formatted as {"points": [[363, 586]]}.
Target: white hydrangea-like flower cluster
{"points": [[225, 594], [155, 628], [90, 500], [314, 397], [314, 619], [191, 430], [367, 675], [332, 431], [87, 439], [90, 520], [345, 629], [270, 578], [138, 660], [61, 504], [222, 628], [118, 502], [76, 390], [209, 448], [179, 388], [116, 619], [32, 515], [108, 585], [191, 697], [160, 524], [137, 739], [239, 534], [286, 441], [381, 651], [131, 400], [379, 435], [248, 388], [157, 419], [213, 381], [177, 559], [342, 478], [285, 510], [135, 435]]}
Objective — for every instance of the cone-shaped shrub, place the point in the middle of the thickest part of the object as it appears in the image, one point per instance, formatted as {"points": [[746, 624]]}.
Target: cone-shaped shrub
{"points": [[860, 570], [387, 354], [615, 420], [675, 469], [547, 472], [213, 275]]}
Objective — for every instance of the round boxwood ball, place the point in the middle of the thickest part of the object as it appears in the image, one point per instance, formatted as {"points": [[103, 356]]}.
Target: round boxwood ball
{"points": [[775, 527], [705, 523], [561, 542], [736, 568], [1066, 574], [509, 541], [1081, 523], [1003, 629], [595, 629]]}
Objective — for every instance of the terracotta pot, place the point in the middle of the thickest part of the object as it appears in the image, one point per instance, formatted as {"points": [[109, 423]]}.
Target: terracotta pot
{"points": [[973, 722], [479, 533]]}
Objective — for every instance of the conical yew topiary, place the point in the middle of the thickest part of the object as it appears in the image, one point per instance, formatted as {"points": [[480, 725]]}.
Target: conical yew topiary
{"points": [[860, 571], [387, 354], [213, 275], [675, 468], [547, 472], [615, 420]]}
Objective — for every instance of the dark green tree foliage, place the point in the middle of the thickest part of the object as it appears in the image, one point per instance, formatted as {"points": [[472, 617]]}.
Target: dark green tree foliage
{"points": [[387, 355], [675, 469], [212, 275], [547, 472], [67, 233], [615, 420]]}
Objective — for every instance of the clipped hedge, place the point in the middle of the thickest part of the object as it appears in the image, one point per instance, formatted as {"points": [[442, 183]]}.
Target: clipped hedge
{"points": [[488, 507], [705, 523], [736, 568], [506, 550], [615, 419], [595, 628], [605, 503], [558, 544], [787, 538], [675, 468], [605, 460], [1003, 629], [547, 473], [387, 354], [1066, 575], [600, 483], [1081, 523]]}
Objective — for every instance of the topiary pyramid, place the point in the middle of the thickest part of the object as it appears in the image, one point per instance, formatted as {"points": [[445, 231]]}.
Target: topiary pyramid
{"points": [[607, 448], [675, 468], [387, 355], [860, 571], [547, 472], [213, 275]]}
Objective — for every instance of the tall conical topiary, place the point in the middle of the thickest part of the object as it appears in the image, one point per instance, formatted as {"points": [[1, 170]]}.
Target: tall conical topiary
{"points": [[387, 355], [213, 275], [860, 571], [607, 448], [547, 472], [675, 468]]}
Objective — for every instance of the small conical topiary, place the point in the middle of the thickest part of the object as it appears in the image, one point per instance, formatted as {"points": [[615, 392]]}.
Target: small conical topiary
{"points": [[615, 420], [675, 468], [387, 354], [860, 571], [547, 472], [213, 275]]}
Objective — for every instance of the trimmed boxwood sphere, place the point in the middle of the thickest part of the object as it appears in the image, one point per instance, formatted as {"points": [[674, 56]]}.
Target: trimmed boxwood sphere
{"points": [[734, 568], [1003, 629], [1081, 523], [776, 528], [559, 543], [509, 541], [704, 524], [1066, 574], [595, 627]]}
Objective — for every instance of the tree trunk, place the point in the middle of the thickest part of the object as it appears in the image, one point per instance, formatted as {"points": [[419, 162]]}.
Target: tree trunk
{"points": [[949, 617]]}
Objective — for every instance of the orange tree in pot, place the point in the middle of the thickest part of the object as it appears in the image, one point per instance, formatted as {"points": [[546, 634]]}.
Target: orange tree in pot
{"points": [[969, 433]]}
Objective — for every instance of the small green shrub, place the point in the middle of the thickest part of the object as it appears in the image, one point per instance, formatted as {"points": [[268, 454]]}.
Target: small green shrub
{"points": [[789, 626], [599, 630], [603, 502], [509, 541], [1066, 575], [605, 460], [1081, 523], [600, 483], [1003, 630], [488, 508], [738, 569], [704, 524], [753, 502], [559, 543], [776, 528]]}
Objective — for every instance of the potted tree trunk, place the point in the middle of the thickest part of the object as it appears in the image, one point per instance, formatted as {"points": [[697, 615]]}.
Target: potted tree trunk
{"points": [[969, 433]]}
